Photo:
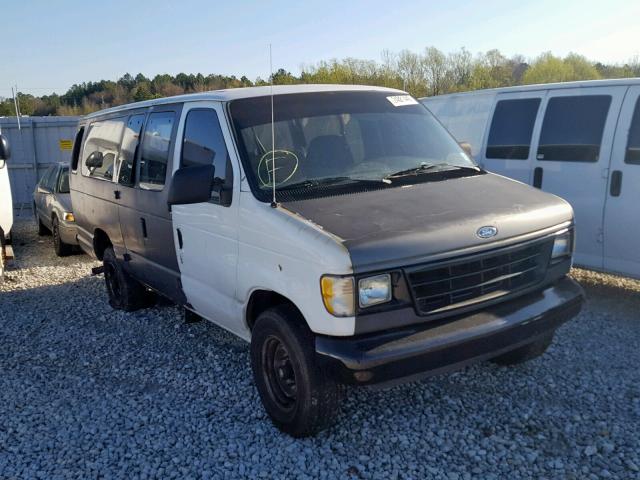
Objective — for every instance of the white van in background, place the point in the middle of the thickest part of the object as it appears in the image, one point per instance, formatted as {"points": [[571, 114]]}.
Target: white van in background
{"points": [[578, 140], [6, 206]]}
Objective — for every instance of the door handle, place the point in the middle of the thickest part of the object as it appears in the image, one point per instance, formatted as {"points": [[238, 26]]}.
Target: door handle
{"points": [[143, 224], [116, 194], [616, 183], [537, 177], [179, 238]]}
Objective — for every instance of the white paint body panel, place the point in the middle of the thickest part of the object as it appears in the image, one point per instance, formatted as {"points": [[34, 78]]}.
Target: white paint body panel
{"points": [[622, 213], [6, 203], [230, 252]]}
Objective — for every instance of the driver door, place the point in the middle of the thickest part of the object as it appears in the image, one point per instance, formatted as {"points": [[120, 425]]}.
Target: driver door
{"points": [[206, 234]]}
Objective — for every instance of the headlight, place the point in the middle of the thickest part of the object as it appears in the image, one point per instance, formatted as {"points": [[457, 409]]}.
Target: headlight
{"points": [[374, 290], [561, 245], [337, 294], [68, 217]]}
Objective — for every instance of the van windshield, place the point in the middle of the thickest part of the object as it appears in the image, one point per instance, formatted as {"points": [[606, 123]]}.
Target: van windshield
{"points": [[344, 140]]}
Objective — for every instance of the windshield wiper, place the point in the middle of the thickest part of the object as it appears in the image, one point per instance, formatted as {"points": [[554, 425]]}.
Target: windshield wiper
{"points": [[332, 181], [429, 167]]}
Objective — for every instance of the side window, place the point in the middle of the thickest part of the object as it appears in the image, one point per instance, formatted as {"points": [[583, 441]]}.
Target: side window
{"points": [[633, 143], [103, 138], [572, 128], [203, 144], [511, 129], [63, 182], [77, 146], [155, 150], [129, 150]]}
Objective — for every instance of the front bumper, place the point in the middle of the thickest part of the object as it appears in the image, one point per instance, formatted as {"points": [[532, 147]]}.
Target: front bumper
{"points": [[423, 350], [68, 233]]}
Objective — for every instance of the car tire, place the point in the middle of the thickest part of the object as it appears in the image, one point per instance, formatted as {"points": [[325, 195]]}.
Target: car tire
{"points": [[42, 230], [299, 396], [125, 292], [62, 249], [526, 352]]}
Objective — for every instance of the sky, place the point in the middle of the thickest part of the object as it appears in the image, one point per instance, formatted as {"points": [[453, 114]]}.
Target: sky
{"points": [[48, 46]]}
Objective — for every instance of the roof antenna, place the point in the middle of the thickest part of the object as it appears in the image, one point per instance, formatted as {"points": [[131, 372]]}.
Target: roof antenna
{"points": [[274, 204]]}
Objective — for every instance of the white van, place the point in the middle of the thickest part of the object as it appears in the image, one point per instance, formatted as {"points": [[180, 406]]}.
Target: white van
{"points": [[6, 206], [578, 140], [361, 246]]}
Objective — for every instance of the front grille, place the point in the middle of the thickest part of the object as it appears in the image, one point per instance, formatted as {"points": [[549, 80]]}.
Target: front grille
{"points": [[444, 286]]}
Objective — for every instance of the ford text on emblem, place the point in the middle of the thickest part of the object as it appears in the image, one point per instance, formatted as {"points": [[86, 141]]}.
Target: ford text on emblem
{"points": [[487, 232]]}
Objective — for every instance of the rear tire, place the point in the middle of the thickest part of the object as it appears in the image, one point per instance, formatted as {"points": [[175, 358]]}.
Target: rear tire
{"points": [[62, 249], [526, 352], [125, 293], [298, 395]]}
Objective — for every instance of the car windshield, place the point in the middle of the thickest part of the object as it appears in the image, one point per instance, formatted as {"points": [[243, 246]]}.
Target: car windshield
{"points": [[64, 181], [341, 138]]}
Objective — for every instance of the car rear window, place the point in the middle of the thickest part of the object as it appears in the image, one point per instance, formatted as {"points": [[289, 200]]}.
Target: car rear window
{"points": [[572, 128], [63, 185]]}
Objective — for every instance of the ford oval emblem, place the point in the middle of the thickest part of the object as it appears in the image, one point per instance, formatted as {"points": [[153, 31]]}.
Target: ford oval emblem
{"points": [[487, 231]]}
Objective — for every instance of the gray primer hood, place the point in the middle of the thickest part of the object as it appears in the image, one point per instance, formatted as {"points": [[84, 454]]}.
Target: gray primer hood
{"points": [[405, 225]]}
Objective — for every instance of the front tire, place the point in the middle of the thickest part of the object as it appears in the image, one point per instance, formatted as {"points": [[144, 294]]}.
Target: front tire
{"points": [[62, 249], [42, 230], [299, 396], [526, 352], [125, 293]]}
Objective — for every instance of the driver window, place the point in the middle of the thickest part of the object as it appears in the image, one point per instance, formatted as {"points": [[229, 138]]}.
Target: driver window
{"points": [[202, 144]]}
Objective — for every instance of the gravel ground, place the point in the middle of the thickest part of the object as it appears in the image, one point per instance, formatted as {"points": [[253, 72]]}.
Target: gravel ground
{"points": [[86, 391]]}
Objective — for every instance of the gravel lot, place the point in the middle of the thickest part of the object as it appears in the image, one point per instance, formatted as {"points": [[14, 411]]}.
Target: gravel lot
{"points": [[86, 391]]}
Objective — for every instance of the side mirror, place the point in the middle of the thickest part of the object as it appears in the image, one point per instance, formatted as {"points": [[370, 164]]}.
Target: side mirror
{"points": [[466, 146], [191, 185], [5, 151], [94, 160]]}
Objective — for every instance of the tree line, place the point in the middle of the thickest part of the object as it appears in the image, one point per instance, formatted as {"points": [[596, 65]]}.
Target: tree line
{"points": [[426, 73]]}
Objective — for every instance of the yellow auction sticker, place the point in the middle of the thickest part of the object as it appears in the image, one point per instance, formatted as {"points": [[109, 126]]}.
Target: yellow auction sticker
{"points": [[65, 144]]}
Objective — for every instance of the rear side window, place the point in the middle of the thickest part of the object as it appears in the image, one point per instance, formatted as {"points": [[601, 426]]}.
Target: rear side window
{"points": [[155, 150], [633, 143], [511, 129], [104, 138], [129, 150], [572, 128], [203, 144]]}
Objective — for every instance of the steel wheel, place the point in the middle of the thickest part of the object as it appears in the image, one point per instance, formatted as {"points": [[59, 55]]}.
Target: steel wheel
{"points": [[278, 373]]}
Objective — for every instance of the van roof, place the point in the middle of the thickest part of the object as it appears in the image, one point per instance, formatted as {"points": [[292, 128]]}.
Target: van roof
{"points": [[247, 92], [547, 86]]}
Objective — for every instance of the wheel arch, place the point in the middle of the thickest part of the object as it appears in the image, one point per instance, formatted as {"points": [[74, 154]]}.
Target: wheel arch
{"points": [[262, 299], [101, 242]]}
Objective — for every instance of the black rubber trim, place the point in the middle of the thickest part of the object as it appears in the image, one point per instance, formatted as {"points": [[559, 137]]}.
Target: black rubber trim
{"points": [[424, 350]]}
